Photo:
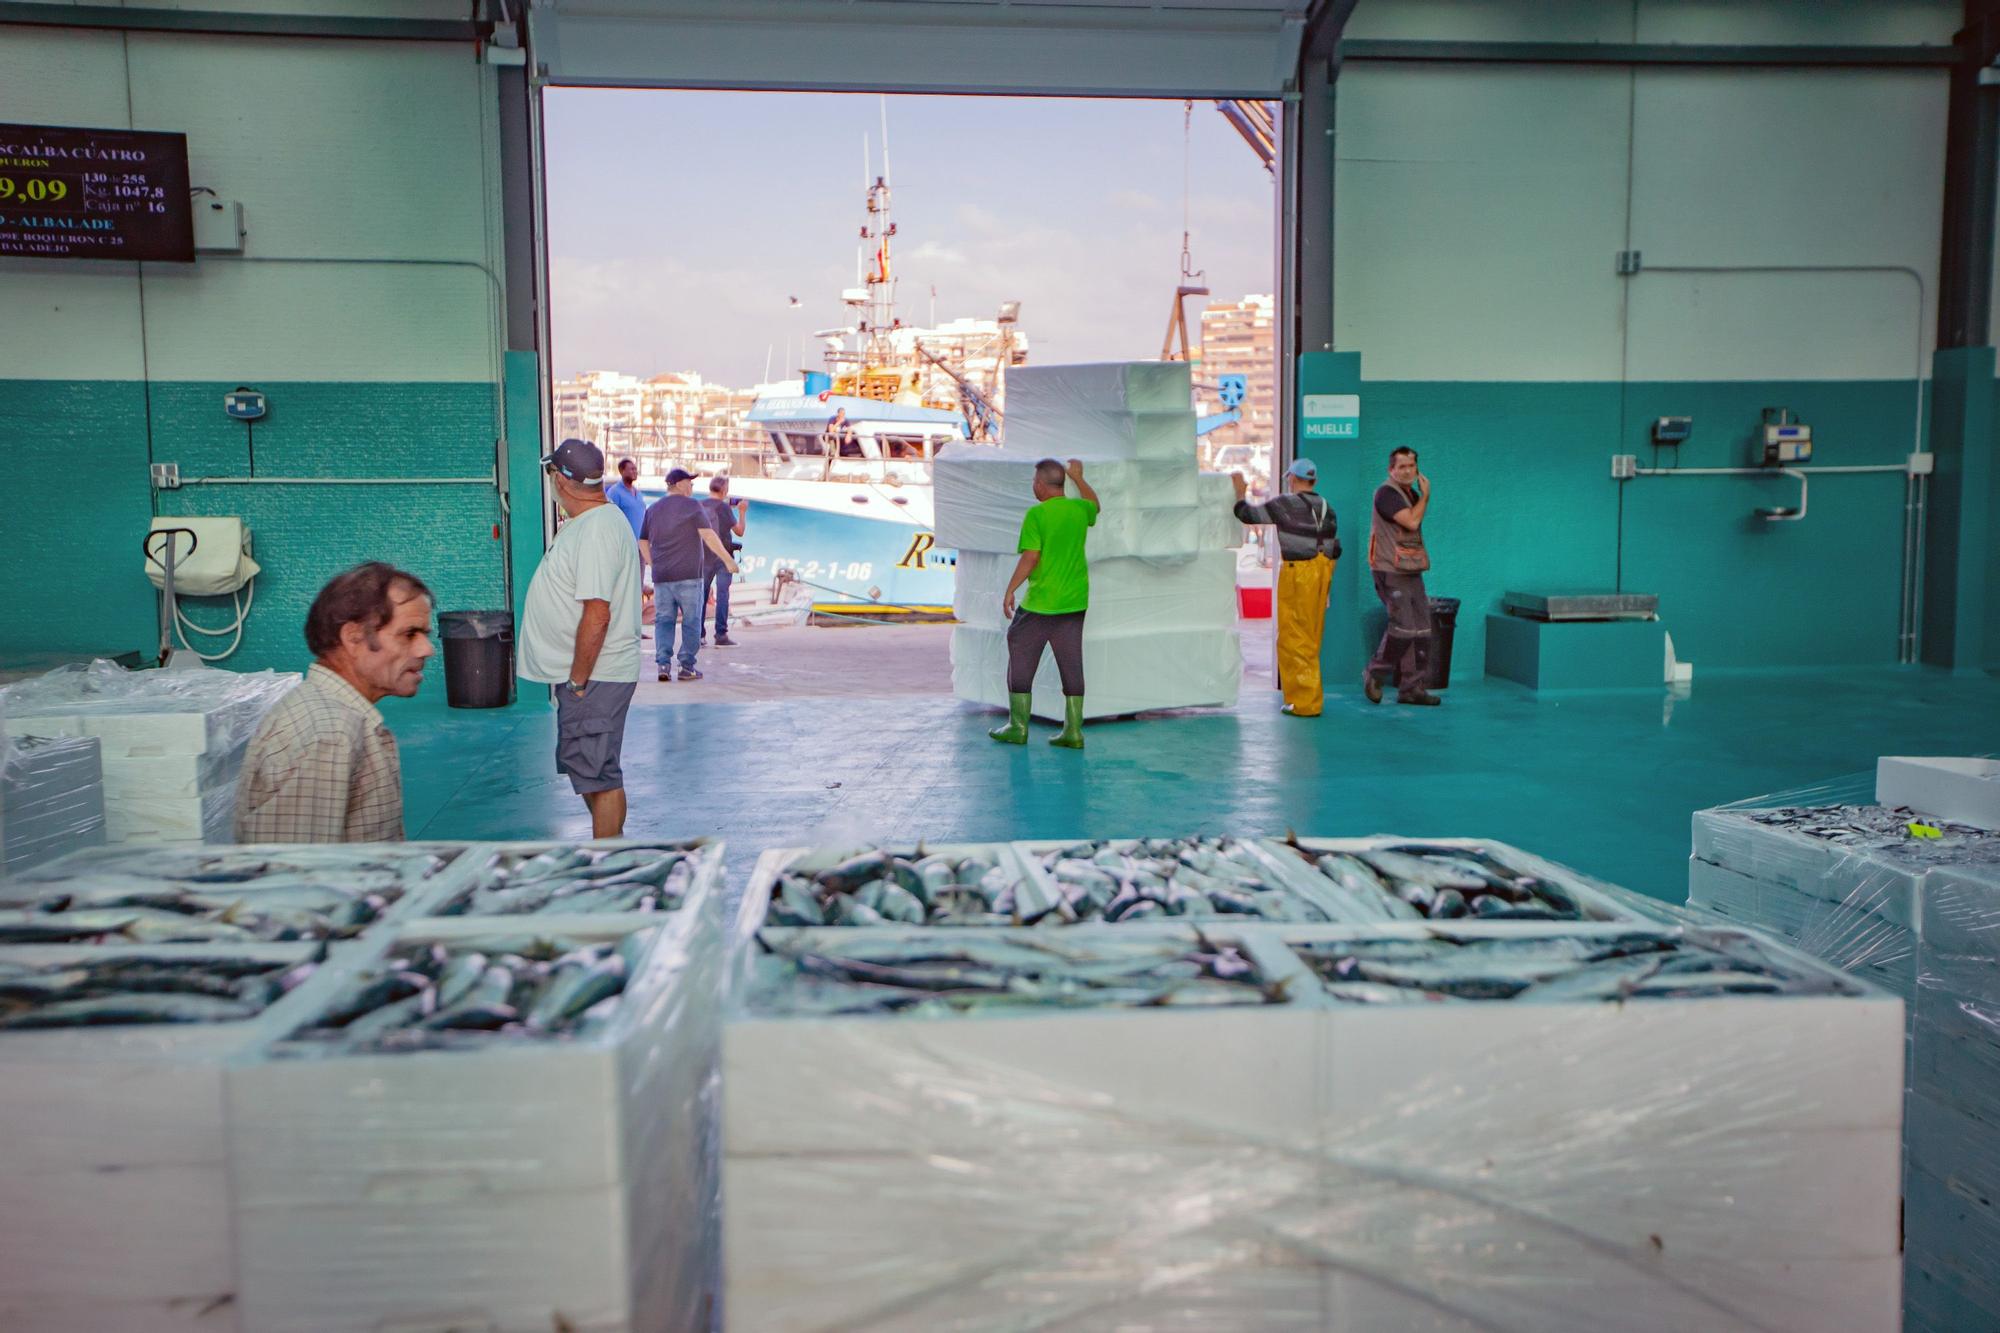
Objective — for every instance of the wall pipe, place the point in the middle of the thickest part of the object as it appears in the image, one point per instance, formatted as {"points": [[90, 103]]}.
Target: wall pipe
{"points": [[487, 480], [1910, 594]]}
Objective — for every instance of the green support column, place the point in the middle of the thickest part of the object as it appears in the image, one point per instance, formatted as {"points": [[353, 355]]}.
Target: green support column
{"points": [[1961, 550], [1347, 478], [524, 471]]}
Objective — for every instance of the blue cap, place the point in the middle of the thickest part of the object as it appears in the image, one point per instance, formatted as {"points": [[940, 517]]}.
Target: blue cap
{"points": [[1303, 469]]}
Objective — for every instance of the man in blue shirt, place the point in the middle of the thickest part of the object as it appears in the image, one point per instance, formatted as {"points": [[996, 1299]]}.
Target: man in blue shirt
{"points": [[676, 542], [624, 496], [624, 493]]}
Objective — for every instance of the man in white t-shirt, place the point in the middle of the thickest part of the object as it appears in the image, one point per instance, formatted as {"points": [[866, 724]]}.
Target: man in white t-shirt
{"points": [[580, 632]]}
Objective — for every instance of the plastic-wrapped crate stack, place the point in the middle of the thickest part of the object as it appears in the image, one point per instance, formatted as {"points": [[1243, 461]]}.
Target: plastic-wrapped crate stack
{"points": [[481, 1099], [1162, 626], [1900, 885], [1289, 1094], [51, 799], [171, 742]]}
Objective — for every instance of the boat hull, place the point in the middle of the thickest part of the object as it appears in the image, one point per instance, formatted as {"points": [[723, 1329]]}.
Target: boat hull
{"points": [[847, 543]]}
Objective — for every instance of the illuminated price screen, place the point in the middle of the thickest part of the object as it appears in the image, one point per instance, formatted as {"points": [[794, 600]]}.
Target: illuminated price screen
{"points": [[94, 194]]}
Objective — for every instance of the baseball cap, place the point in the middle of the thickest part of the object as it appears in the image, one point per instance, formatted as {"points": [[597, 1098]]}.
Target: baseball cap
{"points": [[579, 460], [1304, 469], [679, 475]]}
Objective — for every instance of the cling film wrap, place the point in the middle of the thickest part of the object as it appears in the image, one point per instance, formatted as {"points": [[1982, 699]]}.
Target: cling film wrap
{"points": [[502, 1180], [172, 741], [1123, 673], [1292, 1162], [51, 799], [1911, 902], [245, 1179]]}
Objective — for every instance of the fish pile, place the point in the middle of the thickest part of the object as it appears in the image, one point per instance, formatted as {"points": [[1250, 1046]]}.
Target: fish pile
{"points": [[587, 880], [972, 973], [880, 887], [1634, 966], [134, 988], [1416, 882], [1886, 829], [436, 996], [111, 909], [1132, 879]]}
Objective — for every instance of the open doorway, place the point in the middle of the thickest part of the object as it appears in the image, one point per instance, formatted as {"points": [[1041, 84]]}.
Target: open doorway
{"points": [[814, 295]]}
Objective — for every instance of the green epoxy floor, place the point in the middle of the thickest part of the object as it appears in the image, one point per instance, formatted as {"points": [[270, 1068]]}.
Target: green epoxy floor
{"points": [[1604, 782]]}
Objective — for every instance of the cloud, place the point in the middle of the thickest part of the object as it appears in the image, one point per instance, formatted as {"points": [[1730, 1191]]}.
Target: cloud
{"points": [[1133, 201], [931, 252]]}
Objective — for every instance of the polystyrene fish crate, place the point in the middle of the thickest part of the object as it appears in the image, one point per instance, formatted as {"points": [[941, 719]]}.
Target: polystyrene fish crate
{"points": [[902, 1173], [515, 1183], [474, 878], [753, 909], [1598, 901], [1967, 790], [114, 1188]]}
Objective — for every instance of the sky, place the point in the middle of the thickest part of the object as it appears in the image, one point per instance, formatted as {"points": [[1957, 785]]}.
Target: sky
{"points": [[682, 223]]}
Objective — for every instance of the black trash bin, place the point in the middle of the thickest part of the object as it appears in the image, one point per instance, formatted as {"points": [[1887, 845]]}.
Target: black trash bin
{"points": [[1444, 623], [478, 658]]}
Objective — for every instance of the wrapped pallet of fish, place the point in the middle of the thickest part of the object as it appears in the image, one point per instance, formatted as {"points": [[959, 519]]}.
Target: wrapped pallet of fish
{"points": [[1694, 1128], [220, 895], [1909, 899], [1386, 880], [489, 1125], [114, 1180], [929, 1129]]}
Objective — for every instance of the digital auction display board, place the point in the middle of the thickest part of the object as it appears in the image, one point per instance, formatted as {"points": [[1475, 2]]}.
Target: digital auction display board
{"points": [[94, 194]]}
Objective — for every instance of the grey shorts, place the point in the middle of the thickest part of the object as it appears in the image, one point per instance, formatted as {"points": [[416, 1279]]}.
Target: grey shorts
{"points": [[590, 734]]}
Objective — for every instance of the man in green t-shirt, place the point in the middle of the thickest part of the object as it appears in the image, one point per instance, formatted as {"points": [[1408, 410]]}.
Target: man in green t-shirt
{"points": [[1051, 615]]}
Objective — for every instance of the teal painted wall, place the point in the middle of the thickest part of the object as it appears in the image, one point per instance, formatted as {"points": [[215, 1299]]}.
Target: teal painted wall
{"points": [[1525, 500], [72, 534], [302, 534]]}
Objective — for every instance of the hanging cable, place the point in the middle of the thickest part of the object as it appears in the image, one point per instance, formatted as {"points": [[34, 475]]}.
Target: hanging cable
{"points": [[1189, 276]]}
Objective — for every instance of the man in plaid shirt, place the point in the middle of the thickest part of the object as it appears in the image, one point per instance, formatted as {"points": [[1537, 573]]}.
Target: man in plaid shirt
{"points": [[323, 767]]}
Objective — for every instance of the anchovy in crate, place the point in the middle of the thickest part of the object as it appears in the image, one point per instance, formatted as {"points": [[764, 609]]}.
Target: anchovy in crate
{"points": [[1885, 828], [443, 995], [582, 880], [229, 897], [882, 887], [1417, 882], [1132, 879], [979, 973], [134, 988], [1633, 966]]}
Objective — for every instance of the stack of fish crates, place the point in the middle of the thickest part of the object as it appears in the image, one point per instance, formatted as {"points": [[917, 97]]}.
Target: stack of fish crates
{"points": [[467, 1166], [1902, 887], [51, 799], [171, 742], [442, 1177], [115, 1210], [1161, 632], [1269, 1101]]}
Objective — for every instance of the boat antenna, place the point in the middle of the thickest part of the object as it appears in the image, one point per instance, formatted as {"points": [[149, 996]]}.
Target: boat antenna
{"points": [[885, 137]]}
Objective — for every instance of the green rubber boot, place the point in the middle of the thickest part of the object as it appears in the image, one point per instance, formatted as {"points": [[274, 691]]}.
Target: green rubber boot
{"points": [[1016, 730], [1071, 736]]}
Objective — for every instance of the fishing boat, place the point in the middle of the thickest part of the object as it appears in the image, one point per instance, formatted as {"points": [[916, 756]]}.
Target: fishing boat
{"points": [[840, 485]]}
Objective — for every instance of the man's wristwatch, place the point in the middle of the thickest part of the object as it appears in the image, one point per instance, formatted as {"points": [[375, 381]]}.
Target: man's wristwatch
{"points": [[578, 688]]}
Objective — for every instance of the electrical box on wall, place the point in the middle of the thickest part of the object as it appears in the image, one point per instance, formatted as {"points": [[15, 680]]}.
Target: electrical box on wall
{"points": [[218, 226], [1672, 430], [1787, 440]]}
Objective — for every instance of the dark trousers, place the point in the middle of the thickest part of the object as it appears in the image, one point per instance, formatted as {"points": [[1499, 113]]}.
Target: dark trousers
{"points": [[1404, 653], [1031, 632], [718, 579]]}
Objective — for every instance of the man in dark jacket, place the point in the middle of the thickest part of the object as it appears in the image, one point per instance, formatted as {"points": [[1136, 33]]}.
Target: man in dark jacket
{"points": [[1306, 541]]}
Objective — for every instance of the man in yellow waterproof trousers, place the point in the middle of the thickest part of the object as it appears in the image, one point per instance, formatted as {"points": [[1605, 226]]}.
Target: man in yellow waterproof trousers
{"points": [[1310, 549]]}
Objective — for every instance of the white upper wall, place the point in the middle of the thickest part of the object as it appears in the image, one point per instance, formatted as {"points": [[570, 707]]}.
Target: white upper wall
{"points": [[1479, 210], [337, 150], [1712, 22]]}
